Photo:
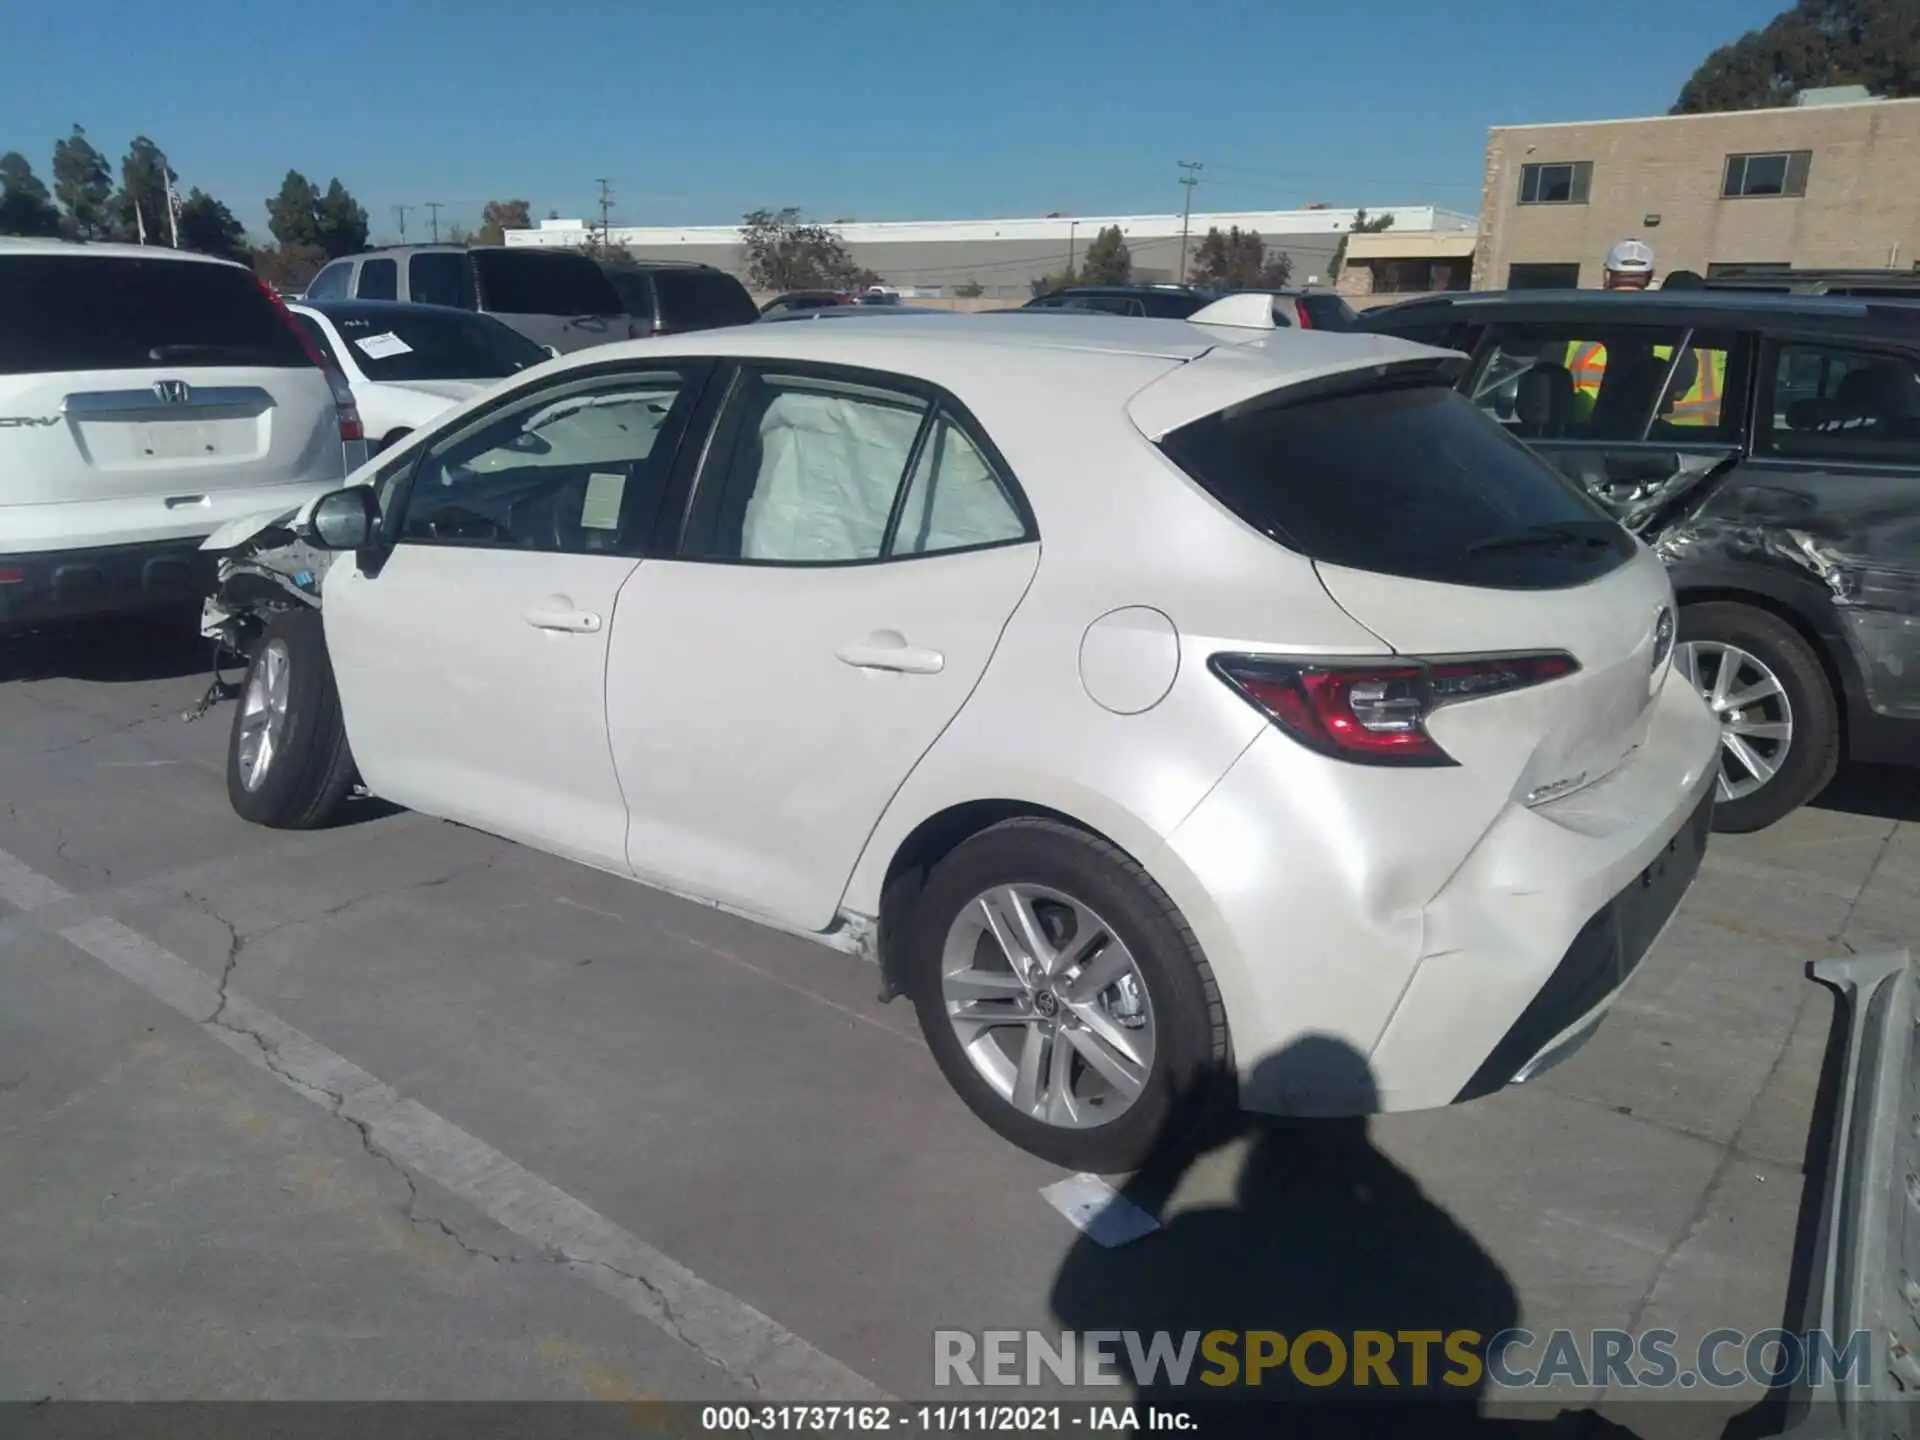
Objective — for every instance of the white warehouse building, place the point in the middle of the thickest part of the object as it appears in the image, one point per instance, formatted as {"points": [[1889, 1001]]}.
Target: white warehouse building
{"points": [[939, 257]]}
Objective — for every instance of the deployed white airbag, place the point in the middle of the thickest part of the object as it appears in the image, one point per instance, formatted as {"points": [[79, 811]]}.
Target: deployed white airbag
{"points": [[830, 466]]}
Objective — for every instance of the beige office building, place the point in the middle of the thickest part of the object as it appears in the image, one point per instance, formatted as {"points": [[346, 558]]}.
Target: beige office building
{"points": [[1832, 181]]}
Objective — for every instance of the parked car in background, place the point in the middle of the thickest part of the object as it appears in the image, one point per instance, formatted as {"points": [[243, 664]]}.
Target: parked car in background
{"points": [[1879, 284], [1371, 763], [146, 396], [407, 363], [795, 301], [672, 298], [1768, 447], [553, 297], [1157, 302]]}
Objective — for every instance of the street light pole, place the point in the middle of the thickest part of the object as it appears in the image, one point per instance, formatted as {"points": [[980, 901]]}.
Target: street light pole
{"points": [[1189, 177]]}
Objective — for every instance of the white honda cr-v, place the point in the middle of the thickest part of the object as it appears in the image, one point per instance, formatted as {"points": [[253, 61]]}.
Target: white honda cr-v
{"points": [[1151, 704], [147, 397]]}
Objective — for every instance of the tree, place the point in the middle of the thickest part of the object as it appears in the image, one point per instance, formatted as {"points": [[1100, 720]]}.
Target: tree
{"points": [[460, 235], [139, 206], [25, 207], [210, 227], [785, 254], [81, 183], [1108, 261], [1046, 284], [969, 290], [499, 216], [1875, 43], [1363, 224], [300, 216], [341, 221], [288, 268], [293, 214], [1237, 260]]}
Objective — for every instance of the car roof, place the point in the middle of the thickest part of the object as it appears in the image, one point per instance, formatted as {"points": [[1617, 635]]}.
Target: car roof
{"points": [[1701, 308], [1145, 287], [22, 245], [1036, 354]]}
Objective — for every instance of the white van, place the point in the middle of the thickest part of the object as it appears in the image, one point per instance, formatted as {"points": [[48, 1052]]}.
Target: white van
{"points": [[147, 396]]}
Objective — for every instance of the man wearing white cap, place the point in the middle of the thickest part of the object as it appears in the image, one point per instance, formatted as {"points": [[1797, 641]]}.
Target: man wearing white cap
{"points": [[1629, 266]]}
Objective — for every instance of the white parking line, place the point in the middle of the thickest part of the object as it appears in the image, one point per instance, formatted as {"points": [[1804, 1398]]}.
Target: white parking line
{"points": [[722, 1329]]}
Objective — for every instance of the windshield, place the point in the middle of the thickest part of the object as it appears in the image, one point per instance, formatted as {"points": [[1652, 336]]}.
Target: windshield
{"points": [[408, 344]]}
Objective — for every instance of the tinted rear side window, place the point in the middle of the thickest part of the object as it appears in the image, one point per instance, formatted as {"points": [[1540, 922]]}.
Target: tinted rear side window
{"points": [[439, 277], [702, 299], [74, 312], [532, 282], [1410, 481]]}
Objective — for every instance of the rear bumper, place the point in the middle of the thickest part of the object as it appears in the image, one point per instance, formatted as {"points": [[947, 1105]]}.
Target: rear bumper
{"points": [[45, 585], [1443, 941]]}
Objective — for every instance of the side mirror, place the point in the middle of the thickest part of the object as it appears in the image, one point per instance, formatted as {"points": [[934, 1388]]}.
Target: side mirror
{"points": [[553, 351], [345, 519]]}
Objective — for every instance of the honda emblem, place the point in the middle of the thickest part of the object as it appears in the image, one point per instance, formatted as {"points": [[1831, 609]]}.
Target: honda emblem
{"points": [[172, 392]]}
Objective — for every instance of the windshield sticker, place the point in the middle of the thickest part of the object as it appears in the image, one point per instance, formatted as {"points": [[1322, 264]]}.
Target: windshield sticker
{"points": [[383, 347]]}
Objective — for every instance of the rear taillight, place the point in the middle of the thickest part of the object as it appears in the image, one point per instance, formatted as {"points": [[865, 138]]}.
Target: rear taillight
{"points": [[346, 411], [1375, 712], [1302, 314]]}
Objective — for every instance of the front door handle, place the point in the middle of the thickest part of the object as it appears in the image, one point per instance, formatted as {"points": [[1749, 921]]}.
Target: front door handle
{"points": [[889, 650], [557, 613]]}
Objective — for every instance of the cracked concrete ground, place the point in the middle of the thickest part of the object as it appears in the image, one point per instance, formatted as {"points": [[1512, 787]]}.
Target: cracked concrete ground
{"points": [[176, 1222]]}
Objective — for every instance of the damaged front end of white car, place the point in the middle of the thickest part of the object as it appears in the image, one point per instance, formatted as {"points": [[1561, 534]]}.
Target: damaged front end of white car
{"points": [[266, 566]]}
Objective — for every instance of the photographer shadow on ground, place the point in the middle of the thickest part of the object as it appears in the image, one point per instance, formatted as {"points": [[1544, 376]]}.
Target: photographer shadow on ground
{"points": [[1323, 1233]]}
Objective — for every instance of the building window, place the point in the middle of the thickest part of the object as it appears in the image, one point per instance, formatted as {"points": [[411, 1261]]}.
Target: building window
{"points": [[1562, 183], [1419, 277], [1543, 277], [1782, 173]]}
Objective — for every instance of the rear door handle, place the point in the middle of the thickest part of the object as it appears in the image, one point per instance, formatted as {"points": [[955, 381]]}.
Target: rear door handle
{"points": [[574, 622], [889, 650]]}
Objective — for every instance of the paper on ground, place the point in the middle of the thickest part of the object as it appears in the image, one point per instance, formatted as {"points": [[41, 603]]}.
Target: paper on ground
{"points": [[1098, 1211]]}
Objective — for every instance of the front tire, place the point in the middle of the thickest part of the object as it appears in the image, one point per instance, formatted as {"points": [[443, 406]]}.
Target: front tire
{"points": [[288, 765], [1779, 718], [1065, 998]]}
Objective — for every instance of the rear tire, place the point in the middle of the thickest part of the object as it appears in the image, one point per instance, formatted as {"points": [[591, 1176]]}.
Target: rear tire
{"points": [[1716, 635], [1082, 889], [288, 765]]}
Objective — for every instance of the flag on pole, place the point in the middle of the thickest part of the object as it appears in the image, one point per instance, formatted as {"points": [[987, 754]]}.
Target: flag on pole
{"points": [[174, 207]]}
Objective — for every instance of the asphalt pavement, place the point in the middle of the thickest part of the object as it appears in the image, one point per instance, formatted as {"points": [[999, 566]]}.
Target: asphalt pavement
{"points": [[400, 1110]]}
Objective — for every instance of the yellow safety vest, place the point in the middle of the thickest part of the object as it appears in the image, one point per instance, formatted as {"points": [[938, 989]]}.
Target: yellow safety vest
{"points": [[1699, 405]]}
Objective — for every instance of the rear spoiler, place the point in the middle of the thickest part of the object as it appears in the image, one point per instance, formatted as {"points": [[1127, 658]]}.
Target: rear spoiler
{"points": [[1865, 1279]]}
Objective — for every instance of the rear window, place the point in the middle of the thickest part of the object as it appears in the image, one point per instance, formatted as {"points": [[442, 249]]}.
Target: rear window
{"points": [[88, 312], [1410, 481], [702, 299], [533, 282]]}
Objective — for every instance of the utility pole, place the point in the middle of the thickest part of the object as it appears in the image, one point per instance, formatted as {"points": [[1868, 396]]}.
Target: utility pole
{"points": [[400, 214], [1189, 177], [1072, 225], [606, 210], [433, 208]]}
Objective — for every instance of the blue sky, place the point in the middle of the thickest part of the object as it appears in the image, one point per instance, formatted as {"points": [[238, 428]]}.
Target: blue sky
{"points": [[698, 112]]}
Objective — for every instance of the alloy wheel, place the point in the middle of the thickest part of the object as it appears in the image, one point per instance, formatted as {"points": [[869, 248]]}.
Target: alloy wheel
{"points": [[1049, 1005], [1747, 698], [263, 713]]}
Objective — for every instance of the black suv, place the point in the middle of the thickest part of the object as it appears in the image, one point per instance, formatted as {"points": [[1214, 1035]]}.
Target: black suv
{"points": [[1768, 448], [667, 297]]}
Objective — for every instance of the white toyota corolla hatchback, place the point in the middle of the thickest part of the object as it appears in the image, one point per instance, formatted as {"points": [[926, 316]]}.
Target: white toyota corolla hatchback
{"points": [[1157, 705]]}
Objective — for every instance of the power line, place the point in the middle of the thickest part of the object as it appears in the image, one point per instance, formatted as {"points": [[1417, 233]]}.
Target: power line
{"points": [[1189, 177], [433, 206]]}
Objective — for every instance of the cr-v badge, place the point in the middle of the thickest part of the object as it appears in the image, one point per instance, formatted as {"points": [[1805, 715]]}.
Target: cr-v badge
{"points": [[20, 422]]}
